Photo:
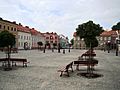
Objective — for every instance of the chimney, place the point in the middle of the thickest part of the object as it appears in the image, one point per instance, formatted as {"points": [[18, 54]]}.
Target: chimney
{"points": [[14, 22], [20, 24], [27, 26]]}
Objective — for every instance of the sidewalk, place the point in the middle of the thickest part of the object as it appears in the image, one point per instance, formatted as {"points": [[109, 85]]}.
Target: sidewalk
{"points": [[41, 73]]}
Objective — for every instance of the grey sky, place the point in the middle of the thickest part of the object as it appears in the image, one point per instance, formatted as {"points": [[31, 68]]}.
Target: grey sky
{"points": [[61, 16]]}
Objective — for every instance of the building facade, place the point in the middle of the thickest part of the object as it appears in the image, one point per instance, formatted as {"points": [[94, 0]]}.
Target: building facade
{"points": [[51, 38], [11, 27], [78, 43], [24, 37], [107, 39]]}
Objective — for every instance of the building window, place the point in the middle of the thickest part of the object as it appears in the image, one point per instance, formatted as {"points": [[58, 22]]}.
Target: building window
{"points": [[18, 36], [51, 37], [47, 37], [109, 38], [55, 37], [105, 38], [14, 29], [101, 38], [51, 41], [4, 27], [24, 37], [0, 26], [19, 44], [21, 37], [11, 28], [29, 37], [8, 28]]}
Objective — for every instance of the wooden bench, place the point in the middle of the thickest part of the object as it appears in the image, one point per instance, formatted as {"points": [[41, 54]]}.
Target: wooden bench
{"points": [[66, 69], [91, 63], [14, 60]]}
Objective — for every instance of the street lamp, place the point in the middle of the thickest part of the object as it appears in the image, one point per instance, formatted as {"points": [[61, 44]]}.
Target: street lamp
{"points": [[116, 46], [108, 44]]}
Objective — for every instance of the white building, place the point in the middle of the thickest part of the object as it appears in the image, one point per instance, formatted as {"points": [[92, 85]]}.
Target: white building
{"points": [[24, 37]]}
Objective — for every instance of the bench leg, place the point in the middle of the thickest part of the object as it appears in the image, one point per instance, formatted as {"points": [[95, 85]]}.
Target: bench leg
{"points": [[77, 67], [67, 73], [72, 68], [61, 74]]}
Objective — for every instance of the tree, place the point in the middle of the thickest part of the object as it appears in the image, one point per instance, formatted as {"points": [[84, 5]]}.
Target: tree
{"points": [[116, 27], [72, 41], [54, 45], [39, 44], [7, 39], [89, 31]]}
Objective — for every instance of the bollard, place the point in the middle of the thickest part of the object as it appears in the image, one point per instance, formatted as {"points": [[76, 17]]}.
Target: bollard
{"points": [[44, 51], [63, 51]]}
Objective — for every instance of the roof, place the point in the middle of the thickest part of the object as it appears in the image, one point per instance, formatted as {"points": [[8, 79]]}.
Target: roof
{"points": [[34, 32], [23, 29], [108, 33]]}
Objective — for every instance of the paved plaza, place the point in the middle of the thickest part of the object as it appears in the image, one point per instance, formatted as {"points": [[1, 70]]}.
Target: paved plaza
{"points": [[41, 73]]}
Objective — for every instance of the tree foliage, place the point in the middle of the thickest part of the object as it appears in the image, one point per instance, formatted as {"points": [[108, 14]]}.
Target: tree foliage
{"points": [[40, 43], [7, 39], [54, 44], [116, 27], [72, 41], [89, 31]]}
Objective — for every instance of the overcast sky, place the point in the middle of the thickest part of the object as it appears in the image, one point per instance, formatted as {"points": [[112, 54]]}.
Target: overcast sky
{"points": [[61, 16]]}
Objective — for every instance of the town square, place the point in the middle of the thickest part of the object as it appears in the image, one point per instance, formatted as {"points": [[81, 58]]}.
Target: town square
{"points": [[41, 72], [59, 45]]}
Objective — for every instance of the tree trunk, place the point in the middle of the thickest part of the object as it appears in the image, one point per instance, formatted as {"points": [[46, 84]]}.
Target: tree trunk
{"points": [[8, 67]]}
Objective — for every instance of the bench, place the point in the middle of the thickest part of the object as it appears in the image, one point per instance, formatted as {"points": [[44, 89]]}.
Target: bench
{"points": [[66, 69], [88, 55], [91, 63], [14, 60]]}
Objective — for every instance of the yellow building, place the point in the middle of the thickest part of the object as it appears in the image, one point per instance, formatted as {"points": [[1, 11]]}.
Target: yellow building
{"points": [[11, 27]]}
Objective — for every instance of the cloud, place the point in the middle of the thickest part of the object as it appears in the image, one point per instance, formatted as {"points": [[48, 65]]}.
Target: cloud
{"points": [[61, 16]]}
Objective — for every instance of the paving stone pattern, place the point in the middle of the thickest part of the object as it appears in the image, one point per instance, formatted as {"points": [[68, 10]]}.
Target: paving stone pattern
{"points": [[41, 73]]}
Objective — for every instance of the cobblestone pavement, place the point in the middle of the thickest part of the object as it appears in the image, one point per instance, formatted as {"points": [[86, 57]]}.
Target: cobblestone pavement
{"points": [[41, 73]]}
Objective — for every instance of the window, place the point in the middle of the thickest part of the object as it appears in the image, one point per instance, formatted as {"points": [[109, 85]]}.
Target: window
{"points": [[101, 38], [105, 38], [14, 29], [109, 38], [24, 37], [11, 28], [51, 37], [8, 28], [21, 37], [55, 37], [18, 36], [19, 44], [0, 26], [47, 37], [4, 27]]}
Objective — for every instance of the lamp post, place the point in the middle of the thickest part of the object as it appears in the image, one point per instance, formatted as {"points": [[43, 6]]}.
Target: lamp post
{"points": [[116, 46], [108, 44]]}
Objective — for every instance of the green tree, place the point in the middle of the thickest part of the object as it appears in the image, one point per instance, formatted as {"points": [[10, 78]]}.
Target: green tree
{"points": [[7, 39], [89, 31], [72, 41], [39, 44], [116, 27], [54, 45]]}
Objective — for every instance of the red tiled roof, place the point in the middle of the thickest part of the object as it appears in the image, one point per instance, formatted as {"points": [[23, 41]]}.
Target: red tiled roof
{"points": [[108, 33], [34, 32], [23, 29]]}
